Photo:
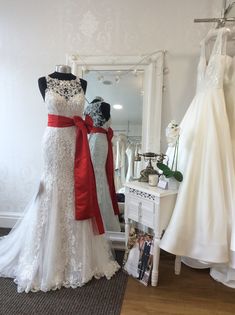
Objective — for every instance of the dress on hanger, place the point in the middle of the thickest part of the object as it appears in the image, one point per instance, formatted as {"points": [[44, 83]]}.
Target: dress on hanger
{"points": [[120, 161], [225, 273], [199, 227], [99, 151], [130, 152], [137, 164], [48, 248]]}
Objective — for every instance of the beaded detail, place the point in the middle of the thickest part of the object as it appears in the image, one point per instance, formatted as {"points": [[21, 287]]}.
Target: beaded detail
{"points": [[65, 88]]}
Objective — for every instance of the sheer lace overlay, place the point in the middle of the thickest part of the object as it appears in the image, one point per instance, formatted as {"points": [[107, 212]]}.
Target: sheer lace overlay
{"points": [[48, 249]]}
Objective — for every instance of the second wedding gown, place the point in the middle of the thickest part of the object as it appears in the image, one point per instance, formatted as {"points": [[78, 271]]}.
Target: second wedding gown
{"points": [[99, 152], [200, 227], [48, 248], [225, 273]]}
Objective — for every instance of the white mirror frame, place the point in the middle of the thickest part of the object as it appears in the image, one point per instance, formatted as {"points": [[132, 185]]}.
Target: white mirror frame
{"points": [[153, 87], [152, 100]]}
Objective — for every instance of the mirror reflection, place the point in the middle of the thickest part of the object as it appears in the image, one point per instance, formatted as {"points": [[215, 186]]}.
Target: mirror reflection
{"points": [[123, 90]]}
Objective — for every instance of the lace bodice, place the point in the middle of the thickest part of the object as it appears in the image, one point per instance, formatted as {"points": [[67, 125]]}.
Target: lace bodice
{"points": [[211, 73], [63, 97], [94, 111]]}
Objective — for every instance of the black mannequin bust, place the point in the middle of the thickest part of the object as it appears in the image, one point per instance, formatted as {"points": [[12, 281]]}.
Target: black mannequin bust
{"points": [[104, 107], [63, 72]]}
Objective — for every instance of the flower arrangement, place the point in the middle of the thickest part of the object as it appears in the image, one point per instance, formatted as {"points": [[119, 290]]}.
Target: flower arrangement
{"points": [[172, 136]]}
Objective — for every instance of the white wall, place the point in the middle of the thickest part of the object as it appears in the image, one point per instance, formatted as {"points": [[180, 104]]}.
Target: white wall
{"points": [[36, 35]]}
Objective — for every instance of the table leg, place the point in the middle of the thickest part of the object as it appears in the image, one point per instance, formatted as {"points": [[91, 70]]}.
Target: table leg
{"points": [[177, 265]]}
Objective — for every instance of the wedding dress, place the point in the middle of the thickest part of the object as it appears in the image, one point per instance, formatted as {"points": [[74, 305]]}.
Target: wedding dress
{"points": [[130, 153], [131, 265], [99, 152], [120, 161], [48, 248], [225, 273], [200, 224]]}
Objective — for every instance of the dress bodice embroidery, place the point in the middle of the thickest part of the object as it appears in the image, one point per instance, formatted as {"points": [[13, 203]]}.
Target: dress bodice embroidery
{"points": [[211, 73], [64, 97], [94, 111]]}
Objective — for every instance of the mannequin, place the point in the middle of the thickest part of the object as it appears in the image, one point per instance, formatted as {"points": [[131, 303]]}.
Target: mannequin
{"points": [[98, 113], [104, 107], [60, 240], [62, 72]]}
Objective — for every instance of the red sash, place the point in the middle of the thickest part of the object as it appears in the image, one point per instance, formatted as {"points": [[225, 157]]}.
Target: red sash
{"points": [[109, 163], [86, 203]]}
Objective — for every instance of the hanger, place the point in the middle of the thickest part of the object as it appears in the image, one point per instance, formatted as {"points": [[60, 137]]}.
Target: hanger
{"points": [[211, 35]]}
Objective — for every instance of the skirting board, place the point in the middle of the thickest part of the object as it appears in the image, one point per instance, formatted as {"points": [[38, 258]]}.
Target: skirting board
{"points": [[8, 219]]}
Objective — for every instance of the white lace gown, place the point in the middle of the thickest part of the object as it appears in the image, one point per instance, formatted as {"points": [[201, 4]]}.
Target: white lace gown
{"points": [[48, 248], [99, 150], [200, 224]]}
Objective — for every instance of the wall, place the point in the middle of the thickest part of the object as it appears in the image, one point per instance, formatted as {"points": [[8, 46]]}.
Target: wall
{"points": [[36, 35]]}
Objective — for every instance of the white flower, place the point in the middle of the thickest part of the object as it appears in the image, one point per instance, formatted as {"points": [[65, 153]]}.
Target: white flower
{"points": [[172, 133]]}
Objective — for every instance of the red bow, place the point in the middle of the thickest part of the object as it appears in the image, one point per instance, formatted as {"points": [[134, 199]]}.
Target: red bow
{"points": [[86, 203]]}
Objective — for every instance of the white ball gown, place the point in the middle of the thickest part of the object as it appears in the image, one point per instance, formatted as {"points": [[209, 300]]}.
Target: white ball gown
{"points": [[225, 273], [48, 248], [200, 225], [131, 265]]}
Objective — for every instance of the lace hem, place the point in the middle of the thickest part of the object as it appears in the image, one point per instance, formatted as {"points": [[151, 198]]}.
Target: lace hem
{"points": [[109, 272]]}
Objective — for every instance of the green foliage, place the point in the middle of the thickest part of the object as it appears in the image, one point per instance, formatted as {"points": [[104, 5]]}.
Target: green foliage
{"points": [[178, 176], [169, 173]]}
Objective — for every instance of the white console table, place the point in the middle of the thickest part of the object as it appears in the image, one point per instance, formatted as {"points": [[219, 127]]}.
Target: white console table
{"points": [[151, 207]]}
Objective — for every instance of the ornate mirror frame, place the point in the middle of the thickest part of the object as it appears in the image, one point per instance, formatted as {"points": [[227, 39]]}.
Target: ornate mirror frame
{"points": [[153, 86], [152, 98]]}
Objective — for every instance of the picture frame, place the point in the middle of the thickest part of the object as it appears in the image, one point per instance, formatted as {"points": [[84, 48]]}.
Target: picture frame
{"points": [[138, 258]]}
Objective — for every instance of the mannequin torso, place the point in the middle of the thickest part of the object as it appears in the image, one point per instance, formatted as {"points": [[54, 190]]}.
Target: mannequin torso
{"points": [[104, 108], [63, 72]]}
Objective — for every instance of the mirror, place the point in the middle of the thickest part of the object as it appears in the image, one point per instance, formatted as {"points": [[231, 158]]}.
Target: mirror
{"points": [[123, 90], [136, 82]]}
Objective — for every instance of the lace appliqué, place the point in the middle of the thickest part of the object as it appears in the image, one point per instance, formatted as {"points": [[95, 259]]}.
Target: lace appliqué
{"points": [[65, 88], [94, 111]]}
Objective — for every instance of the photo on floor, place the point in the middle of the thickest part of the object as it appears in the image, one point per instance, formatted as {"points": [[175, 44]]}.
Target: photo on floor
{"points": [[138, 258]]}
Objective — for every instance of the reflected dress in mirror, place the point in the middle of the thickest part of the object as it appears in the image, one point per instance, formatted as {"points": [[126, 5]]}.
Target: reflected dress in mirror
{"points": [[49, 248], [100, 147]]}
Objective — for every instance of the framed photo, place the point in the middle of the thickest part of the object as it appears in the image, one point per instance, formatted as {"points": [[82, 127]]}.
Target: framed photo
{"points": [[162, 184], [138, 258]]}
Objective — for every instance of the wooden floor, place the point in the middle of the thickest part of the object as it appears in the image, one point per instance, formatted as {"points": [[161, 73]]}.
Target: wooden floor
{"points": [[193, 292]]}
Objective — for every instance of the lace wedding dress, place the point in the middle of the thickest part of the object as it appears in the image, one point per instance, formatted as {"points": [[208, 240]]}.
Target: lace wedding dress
{"points": [[48, 248], [200, 227], [99, 151], [131, 265]]}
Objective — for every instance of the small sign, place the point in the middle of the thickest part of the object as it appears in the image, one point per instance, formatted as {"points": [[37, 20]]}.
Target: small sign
{"points": [[162, 184]]}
